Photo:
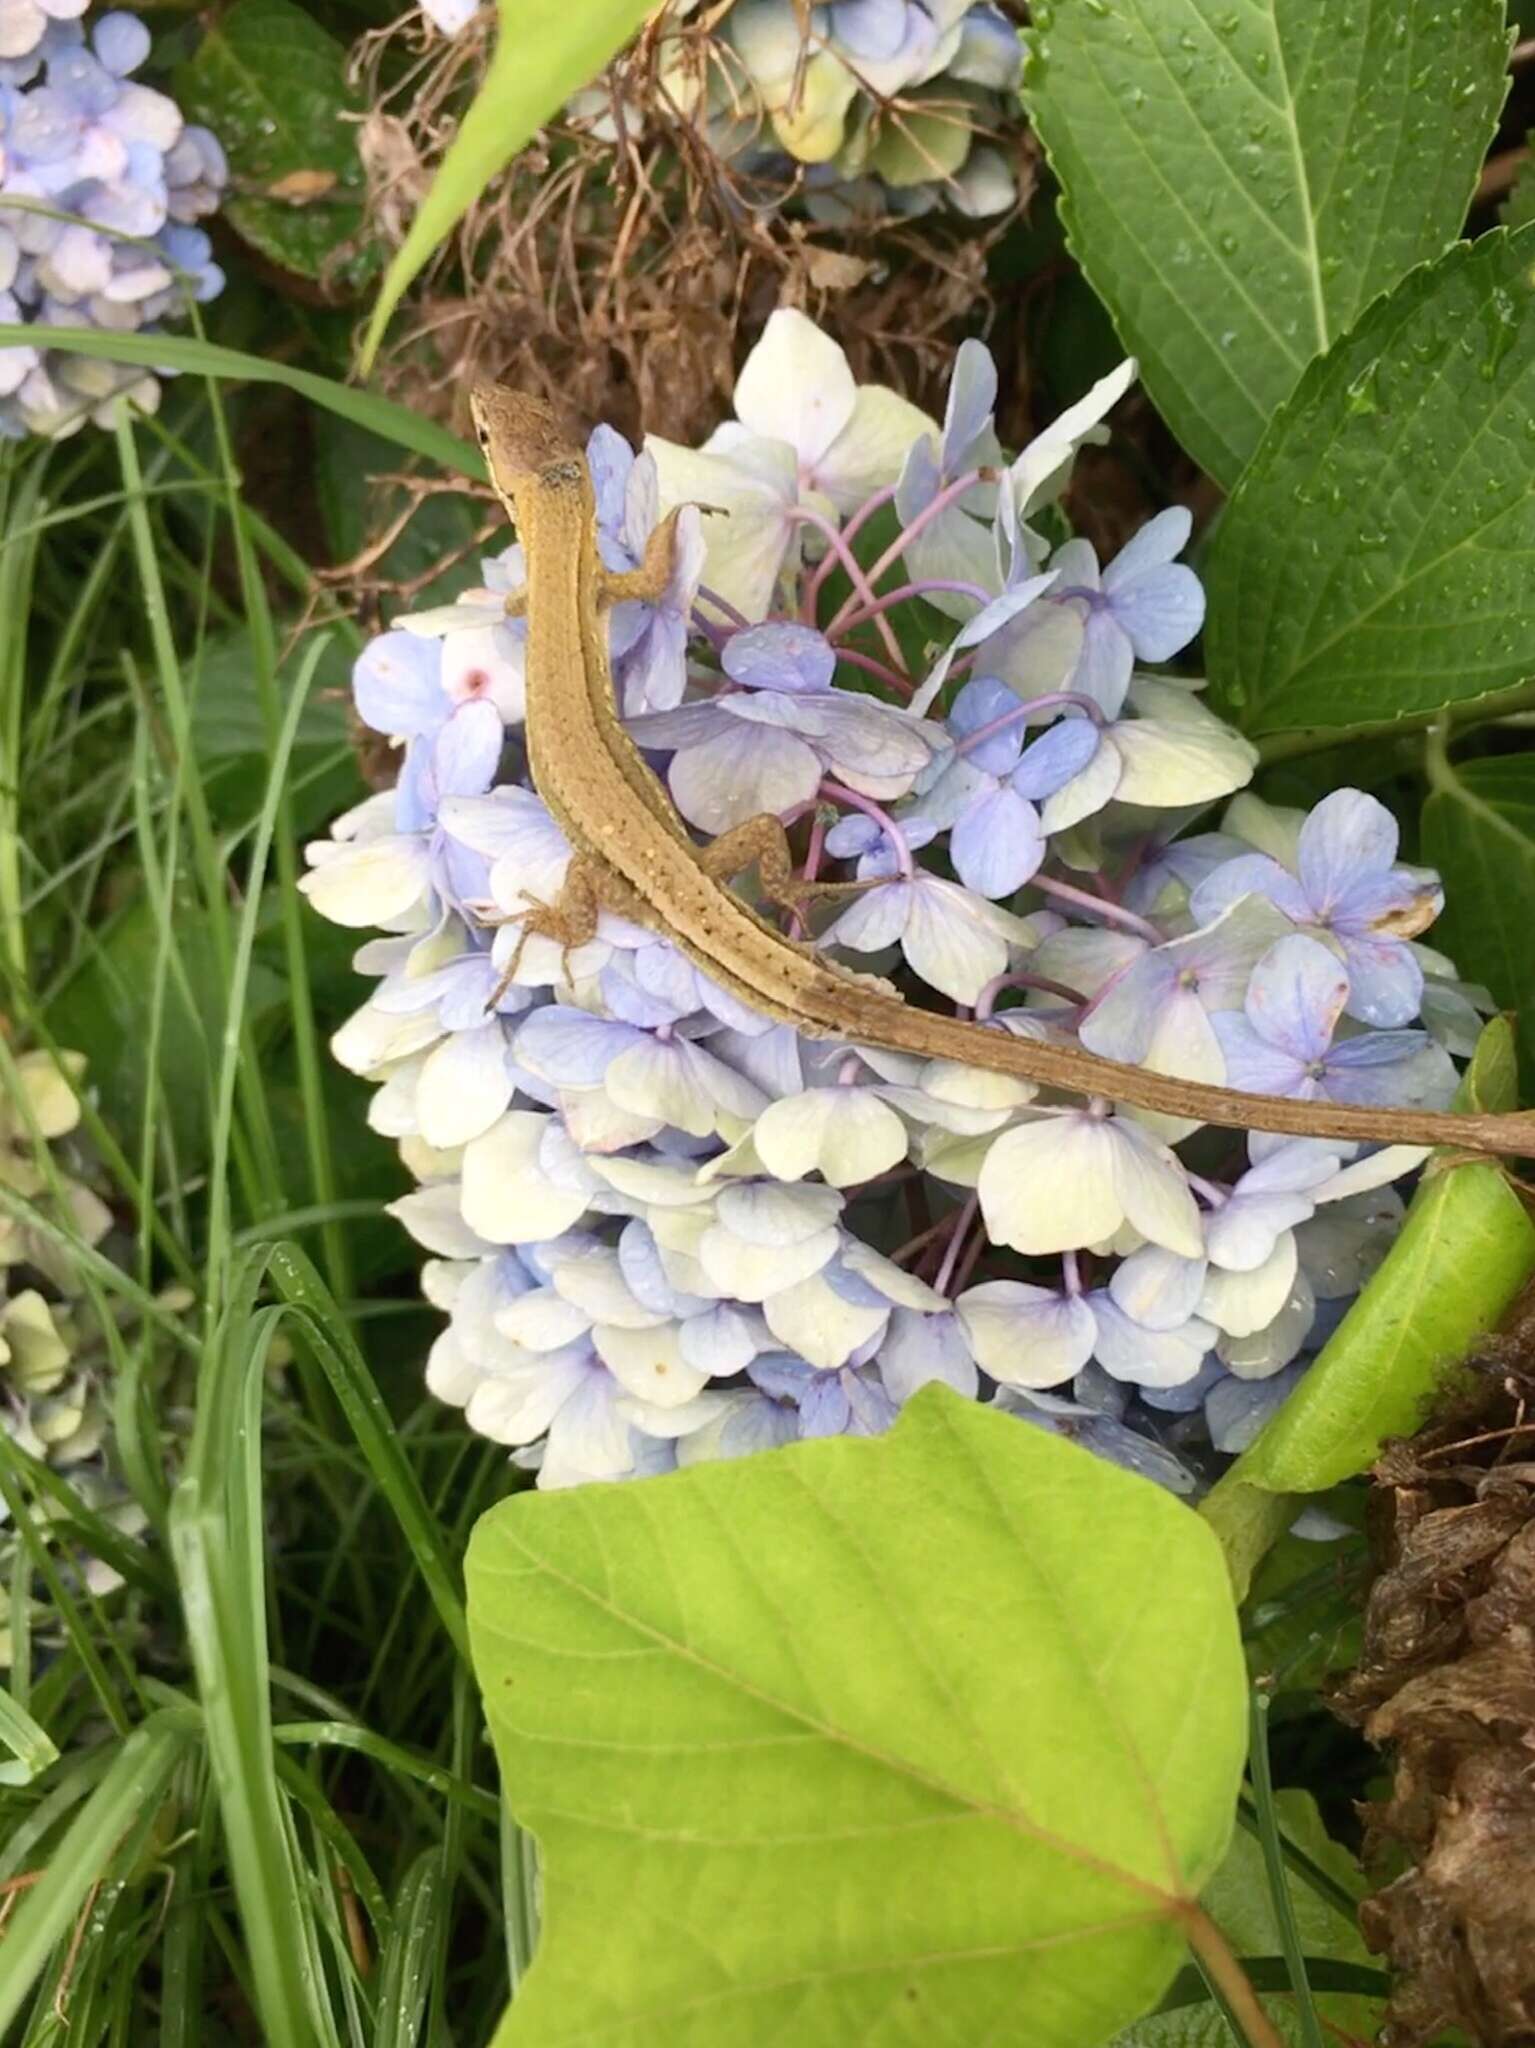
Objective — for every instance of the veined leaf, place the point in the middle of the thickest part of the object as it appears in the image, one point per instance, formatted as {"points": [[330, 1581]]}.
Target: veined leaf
{"points": [[1374, 561], [1479, 832], [1242, 177], [545, 51], [271, 84], [934, 1737]]}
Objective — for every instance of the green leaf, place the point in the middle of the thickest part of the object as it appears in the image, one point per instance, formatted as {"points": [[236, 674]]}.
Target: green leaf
{"points": [[1464, 1252], [545, 51], [1374, 561], [271, 84], [204, 358], [1479, 832], [1240, 1902], [1240, 181], [879, 1741]]}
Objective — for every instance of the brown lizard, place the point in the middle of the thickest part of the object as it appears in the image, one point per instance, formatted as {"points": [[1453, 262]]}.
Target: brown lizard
{"points": [[631, 853]]}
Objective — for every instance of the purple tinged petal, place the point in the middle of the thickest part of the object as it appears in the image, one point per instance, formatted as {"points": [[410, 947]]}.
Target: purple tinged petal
{"points": [[1105, 664], [1256, 1066], [1376, 1049], [1385, 981], [740, 773], [824, 1409], [1347, 837], [779, 657], [468, 750], [998, 844], [1296, 997], [972, 401], [983, 701], [1250, 874], [397, 687], [874, 29], [572, 1048], [1060, 752]]}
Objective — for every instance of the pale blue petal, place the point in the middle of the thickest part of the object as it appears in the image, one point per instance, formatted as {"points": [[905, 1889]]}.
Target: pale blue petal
{"points": [[982, 701], [1385, 981], [1348, 836], [1256, 1066], [397, 687], [998, 844], [468, 750], [1250, 874], [1159, 541], [972, 395], [1107, 659], [1296, 997], [572, 1048], [779, 657], [1161, 611], [919, 1348], [1060, 752]]}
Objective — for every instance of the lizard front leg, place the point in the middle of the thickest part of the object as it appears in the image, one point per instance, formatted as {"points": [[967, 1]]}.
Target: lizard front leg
{"points": [[571, 919]]}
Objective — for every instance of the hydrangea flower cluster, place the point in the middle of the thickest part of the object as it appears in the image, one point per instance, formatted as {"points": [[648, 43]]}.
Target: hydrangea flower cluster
{"points": [[54, 1358], [876, 106], [101, 181], [665, 1229]]}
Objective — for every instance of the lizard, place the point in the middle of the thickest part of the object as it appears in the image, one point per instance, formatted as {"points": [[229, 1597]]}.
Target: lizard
{"points": [[631, 852]]}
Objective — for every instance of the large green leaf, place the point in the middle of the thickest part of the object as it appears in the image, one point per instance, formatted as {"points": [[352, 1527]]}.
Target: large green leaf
{"points": [[929, 1738], [545, 51], [1242, 177], [271, 84], [1479, 832], [1240, 1902], [396, 423], [1464, 1252], [1374, 561]]}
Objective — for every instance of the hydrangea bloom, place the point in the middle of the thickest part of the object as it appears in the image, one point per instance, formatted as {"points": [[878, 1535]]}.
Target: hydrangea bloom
{"points": [[54, 1358], [664, 1228], [883, 106], [101, 182]]}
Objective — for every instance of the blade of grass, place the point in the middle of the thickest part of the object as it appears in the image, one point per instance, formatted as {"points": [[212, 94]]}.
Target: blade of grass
{"points": [[335, 1348], [31, 1747], [1307, 2023], [183, 352], [404, 1967], [138, 1776], [217, 1541]]}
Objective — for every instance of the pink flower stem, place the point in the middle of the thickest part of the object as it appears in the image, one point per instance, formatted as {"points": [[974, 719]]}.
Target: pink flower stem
{"points": [[962, 1223], [850, 533], [986, 1000], [945, 498], [1071, 1273], [883, 819], [722, 604], [1112, 913], [901, 685], [889, 598], [1026, 710], [861, 584]]}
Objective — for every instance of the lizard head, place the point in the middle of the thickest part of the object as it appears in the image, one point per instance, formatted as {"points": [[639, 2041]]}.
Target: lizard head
{"points": [[518, 436]]}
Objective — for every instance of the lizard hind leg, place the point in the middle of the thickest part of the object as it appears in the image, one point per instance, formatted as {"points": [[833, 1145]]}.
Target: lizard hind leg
{"points": [[762, 843]]}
